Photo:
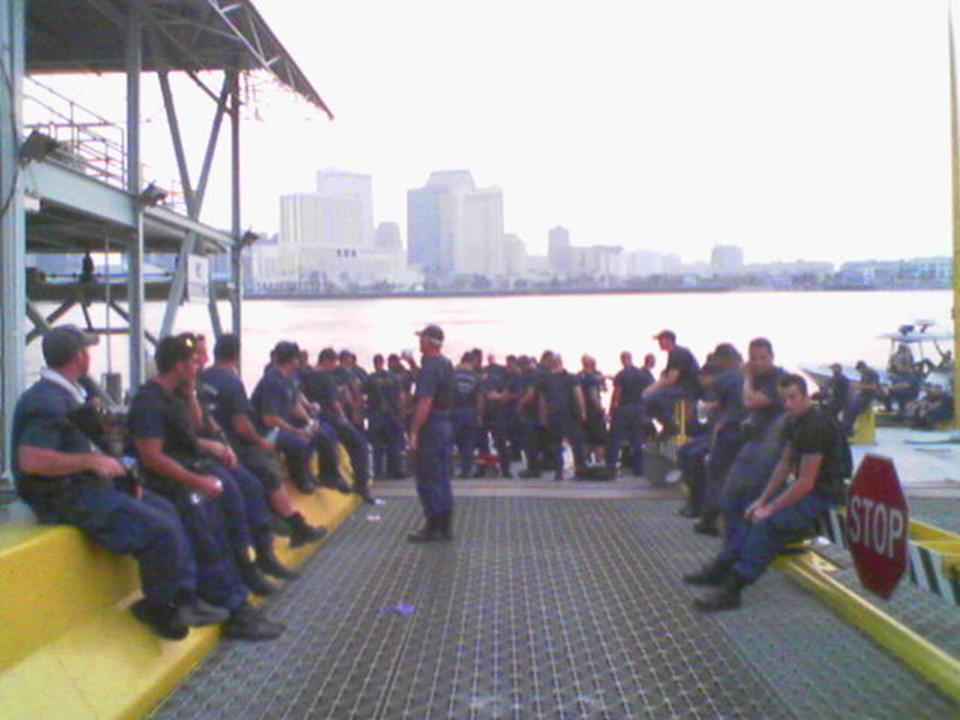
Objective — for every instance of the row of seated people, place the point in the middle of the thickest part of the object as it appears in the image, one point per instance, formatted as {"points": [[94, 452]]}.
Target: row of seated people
{"points": [[768, 463], [196, 502]]}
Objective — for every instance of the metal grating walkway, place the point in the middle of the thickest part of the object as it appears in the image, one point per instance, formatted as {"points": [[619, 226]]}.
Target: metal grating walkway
{"points": [[543, 608]]}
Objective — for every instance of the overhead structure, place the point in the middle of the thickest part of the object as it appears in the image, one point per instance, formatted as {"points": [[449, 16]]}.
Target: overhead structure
{"points": [[81, 205]]}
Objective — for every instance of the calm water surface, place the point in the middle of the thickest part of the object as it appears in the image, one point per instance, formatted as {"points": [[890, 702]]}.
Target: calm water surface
{"points": [[804, 327]]}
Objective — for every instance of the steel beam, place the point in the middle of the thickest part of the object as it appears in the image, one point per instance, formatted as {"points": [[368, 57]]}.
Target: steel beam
{"points": [[12, 221], [236, 252], [135, 291], [955, 178]]}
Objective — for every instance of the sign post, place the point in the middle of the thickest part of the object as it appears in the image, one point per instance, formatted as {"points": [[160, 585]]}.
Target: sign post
{"points": [[878, 524]]}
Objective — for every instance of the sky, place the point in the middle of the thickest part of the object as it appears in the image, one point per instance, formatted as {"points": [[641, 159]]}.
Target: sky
{"points": [[815, 130]]}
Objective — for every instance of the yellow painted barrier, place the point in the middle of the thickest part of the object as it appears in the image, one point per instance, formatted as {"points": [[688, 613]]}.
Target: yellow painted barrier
{"points": [[865, 428], [919, 654], [69, 646]]}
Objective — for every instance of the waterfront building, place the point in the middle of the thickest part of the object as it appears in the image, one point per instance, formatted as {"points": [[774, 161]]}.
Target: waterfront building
{"points": [[514, 257], [480, 249], [559, 251], [726, 260]]}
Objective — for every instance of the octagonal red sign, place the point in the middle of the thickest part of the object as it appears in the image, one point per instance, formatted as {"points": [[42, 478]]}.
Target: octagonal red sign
{"points": [[878, 525]]}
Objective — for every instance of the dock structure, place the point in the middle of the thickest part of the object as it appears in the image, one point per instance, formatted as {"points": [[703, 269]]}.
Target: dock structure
{"points": [[66, 187]]}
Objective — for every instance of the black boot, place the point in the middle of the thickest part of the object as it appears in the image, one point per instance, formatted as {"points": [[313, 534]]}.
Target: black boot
{"points": [[689, 510], [430, 532], [364, 492], [707, 525], [713, 573], [445, 526], [246, 623], [307, 484], [301, 533], [162, 619], [254, 579], [269, 564], [725, 597]]}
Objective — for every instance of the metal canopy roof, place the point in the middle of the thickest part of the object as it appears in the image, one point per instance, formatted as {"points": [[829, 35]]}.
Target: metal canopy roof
{"points": [[186, 35]]}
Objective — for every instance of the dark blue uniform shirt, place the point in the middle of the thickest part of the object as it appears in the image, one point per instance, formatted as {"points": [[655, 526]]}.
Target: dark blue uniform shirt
{"points": [[468, 387], [727, 391], [557, 391], [632, 381], [275, 394], [320, 386], [40, 420], [227, 397], [383, 391], [767, 384], [436, 379], [682, 360]]}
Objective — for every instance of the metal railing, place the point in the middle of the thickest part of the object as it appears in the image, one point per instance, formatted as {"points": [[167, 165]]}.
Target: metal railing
{"points": [[89, 143]]}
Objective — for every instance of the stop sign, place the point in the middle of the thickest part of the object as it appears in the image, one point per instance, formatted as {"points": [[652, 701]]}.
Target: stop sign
{"points": [[877, 525]]}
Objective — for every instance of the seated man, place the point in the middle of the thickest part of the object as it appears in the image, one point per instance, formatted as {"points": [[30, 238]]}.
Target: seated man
{"points": [[320, 388], [65, 479], [936, 407], [678, 383], [230, 407], [816, 454], [277, 406], [863, 398], [181, 466]]}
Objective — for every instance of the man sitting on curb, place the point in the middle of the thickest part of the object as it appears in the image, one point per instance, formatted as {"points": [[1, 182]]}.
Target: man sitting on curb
{"points": [[817, 455], [64, 479]]}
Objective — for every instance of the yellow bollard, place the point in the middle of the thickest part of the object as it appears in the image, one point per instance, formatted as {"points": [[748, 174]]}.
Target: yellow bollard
{"points": [[865, 428], [680, 412]]}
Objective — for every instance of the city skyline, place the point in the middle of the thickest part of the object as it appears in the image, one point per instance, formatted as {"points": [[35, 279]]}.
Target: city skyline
{"points": [[815, 131]]}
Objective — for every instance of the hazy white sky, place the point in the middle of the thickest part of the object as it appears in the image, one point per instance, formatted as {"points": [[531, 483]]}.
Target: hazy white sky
{"points": [[815, 129]]}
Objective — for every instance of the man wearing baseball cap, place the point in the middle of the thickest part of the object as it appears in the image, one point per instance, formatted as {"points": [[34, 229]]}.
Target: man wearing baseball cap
{"points": [[677, 384], [65, 479], [431, 437]]}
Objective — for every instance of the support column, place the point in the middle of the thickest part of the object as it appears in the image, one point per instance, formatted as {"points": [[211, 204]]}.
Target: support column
{"points": [[955, 178], [13, 293], [236, 252], [135, 294]]}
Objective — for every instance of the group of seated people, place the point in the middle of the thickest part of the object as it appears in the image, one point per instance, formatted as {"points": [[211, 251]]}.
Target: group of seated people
{"points": [[761, 428], [194, 491], [919, 404]]}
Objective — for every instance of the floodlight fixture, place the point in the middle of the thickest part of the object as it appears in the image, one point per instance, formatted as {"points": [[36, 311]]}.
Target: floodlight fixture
{"points": [[249, 238], [37, 147], [152, 195]]}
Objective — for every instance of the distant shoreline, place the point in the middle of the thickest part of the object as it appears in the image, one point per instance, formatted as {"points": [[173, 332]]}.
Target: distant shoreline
{"points": [[541, 292]]}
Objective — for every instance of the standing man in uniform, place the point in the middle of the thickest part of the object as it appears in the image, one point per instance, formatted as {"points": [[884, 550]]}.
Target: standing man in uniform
{"points": [[863, 399], [628, 419], [467, 412], [431, 437], [562, 412], [385, 400], [677, 384], [592, 384]]}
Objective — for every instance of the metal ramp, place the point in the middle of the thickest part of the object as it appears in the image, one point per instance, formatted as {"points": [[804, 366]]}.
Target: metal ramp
{"points": [[543, 607]]}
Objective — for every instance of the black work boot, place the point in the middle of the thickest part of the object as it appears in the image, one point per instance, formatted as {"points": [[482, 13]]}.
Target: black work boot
{"points": [[246, 623], [445, 526], [713, 573], [689, 510], [430, 532], [269, 564], [725, 597], [162, 619], [307, 484], [364, 493], [301, 533], [707, 525], [254, 579]]}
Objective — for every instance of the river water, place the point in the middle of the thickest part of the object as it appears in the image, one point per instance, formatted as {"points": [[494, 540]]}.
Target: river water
{"points": [[809, 327]]}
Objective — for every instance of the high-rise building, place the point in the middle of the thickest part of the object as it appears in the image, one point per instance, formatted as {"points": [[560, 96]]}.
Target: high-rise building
{"points": [[455, 228], [480, 249], [726, 260], [514, 256], [348, 186], [559, 252]]}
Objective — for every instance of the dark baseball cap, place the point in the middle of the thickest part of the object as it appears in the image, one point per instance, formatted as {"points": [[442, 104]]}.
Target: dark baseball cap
{"points": [[433, 333], [65, 341], [670, 334]]}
